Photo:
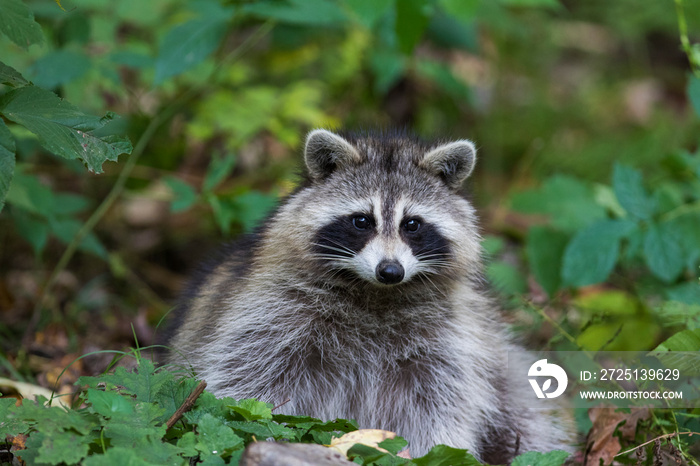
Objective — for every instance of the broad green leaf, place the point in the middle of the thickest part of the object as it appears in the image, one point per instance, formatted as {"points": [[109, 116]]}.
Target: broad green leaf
{"points": [[11, 424], [28, 193], [61, 127], [506, 278], [253, 410], [412, 18], [545, 251], [688, 293], [535, 458], [59, 67], [10, 76], [184, 195], [17, 23], [686, 229], [369, 11], [7, 162], [663, 253], [620, 333], [630, 192], [611, 302], [568, 202], [219, 168], [65, 229], [302, 12], [33, 230], [215, 438], [592, 253], [68, 204], [394, 445], [187, 45], [686, 340], [109, 403], [388, 67], [117, 455], [694, 93], [445, 80], [442, 455], [531, 3], [63, 447], [462, 10], [448, 31]]}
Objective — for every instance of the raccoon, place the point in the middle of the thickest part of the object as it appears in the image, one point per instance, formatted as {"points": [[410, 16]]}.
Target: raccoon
{"points": [[362, 297]]}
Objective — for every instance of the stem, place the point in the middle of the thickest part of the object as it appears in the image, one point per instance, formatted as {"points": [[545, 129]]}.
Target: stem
{"points": [[685, 42], [118, 187]]}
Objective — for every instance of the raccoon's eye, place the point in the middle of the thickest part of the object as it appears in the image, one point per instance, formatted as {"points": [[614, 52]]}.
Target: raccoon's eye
{"points": [[412, 225], [361, 222]]}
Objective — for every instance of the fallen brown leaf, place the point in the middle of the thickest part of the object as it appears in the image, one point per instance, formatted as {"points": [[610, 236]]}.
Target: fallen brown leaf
{"points": [[601, 443]]}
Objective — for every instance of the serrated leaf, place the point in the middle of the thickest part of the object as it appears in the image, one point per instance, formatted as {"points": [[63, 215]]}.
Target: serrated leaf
{"points": [[17, 23], [592, 253], [411, 21], [215, 438], [630, 192], [663, 253], [109, 403], [535, 458], [7, 162], [252, 410], [63, 447], [61, 127], [58, 67], [11, 76], [545, 252], [694, 93], [188, 44], [442, 455], [10, 424]]}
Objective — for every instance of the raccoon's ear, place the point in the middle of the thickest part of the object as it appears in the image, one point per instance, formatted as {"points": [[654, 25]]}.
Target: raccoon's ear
{"points": [[453, 162], [325, 152]]}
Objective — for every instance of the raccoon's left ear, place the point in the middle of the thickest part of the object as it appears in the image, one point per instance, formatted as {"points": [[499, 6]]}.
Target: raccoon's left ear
{"points": [[325, 152], [453, 162]]}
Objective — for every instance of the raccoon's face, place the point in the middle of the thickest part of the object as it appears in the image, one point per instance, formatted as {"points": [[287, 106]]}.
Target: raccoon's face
{"points": [[386, 212]]}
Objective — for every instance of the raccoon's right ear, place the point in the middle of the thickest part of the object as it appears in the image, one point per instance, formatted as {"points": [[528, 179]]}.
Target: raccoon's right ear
{"points": [[325, 152], [453, 162]]}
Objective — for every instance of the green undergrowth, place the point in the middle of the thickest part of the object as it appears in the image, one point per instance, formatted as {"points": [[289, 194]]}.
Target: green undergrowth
{"points": [[126, 417]]}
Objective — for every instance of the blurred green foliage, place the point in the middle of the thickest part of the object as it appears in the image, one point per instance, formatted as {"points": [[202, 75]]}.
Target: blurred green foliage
{"points": [[587, 127]]}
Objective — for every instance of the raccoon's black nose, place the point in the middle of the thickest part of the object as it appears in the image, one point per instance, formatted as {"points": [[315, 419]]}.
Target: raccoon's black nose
{"points": [[389, 272]]}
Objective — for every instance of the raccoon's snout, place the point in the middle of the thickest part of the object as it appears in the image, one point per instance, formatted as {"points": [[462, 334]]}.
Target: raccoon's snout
{"points": [[389, 272]]}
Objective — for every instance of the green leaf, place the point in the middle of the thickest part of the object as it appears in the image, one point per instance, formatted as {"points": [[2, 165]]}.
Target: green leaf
{"points": [[688, 293], [145, 382], [506, 278], [442, 455], [545, 252], [387, 67], [61, 127], [219, 168], [686, 340], [630, 192], [11, 77], [445, 80], [215, 438], [34, 231], [17, 23], [694, 93], [369, 11], [66, 229], [7, 161], [252, 410], [59, 67], [252, 207], [109, 403], [393, 445], [412, 18], [10, 423], [663, 253], [301, 12], [569, 203], [462, 10], [28, 193], [187, 45], [591, 255], [184, 195], [63, 447], [535, 458]]}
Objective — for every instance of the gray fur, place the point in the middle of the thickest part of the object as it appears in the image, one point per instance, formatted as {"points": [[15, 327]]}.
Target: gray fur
{"points": [[424, 358]]}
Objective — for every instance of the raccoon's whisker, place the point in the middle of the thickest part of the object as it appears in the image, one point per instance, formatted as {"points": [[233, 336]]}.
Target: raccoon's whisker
{"points": [[342, 249]]}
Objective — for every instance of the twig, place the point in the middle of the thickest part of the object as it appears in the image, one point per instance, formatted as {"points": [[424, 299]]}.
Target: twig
{"points": [[187, 404], [665, 436], [281, 404]]}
